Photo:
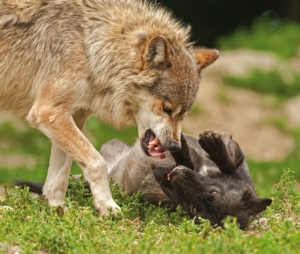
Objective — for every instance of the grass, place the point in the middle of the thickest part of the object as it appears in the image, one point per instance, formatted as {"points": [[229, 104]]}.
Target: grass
{"points": [[271, 82], [266, 34], [142, 228]]}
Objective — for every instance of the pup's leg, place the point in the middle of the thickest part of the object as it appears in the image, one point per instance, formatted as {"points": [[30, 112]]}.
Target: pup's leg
{"points": [[222, 150], [56, 123], [183, 156]]}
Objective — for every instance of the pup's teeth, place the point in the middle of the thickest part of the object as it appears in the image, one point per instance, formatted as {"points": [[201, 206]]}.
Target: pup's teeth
{"points": [[156, 149]]}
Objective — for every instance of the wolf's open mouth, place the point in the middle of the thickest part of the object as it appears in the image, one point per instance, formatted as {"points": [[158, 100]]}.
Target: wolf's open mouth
{"points": [[152, 146]]}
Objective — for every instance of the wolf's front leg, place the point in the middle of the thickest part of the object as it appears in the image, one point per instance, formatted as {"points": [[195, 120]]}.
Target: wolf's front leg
{"points": [[60, 127]]}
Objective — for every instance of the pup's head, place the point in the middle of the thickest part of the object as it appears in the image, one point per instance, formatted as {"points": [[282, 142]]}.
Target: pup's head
{"points": [[211, 198], [169, 83]]}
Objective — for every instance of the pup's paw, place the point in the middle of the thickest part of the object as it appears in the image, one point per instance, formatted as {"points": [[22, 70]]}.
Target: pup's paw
{"points": [[212, 143], [215, 145]]}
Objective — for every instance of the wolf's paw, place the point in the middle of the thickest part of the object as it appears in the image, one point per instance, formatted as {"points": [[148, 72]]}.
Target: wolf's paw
{"points": [[105, 208]]}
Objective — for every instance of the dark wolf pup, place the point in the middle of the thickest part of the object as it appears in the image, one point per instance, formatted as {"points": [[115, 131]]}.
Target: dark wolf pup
{"points": [[209, 177], [127, 61]]}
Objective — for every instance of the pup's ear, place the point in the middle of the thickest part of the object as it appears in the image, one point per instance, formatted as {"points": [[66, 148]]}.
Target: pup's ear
{"points": [[157, 53], [255, 205], [205, 57]]}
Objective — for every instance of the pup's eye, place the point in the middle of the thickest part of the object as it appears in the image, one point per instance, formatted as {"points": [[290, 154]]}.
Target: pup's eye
{"points": [[213, 193], [167, 109]]}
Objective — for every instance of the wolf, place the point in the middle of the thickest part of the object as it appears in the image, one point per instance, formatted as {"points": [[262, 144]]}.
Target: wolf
{"points": [[129, 62], [209, 177]]}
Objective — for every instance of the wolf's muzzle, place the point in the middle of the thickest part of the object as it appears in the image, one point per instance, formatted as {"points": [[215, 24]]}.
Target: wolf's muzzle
{"points": [[174, 146]]}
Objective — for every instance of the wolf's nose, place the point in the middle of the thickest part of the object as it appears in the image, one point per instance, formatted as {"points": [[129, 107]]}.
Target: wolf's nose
{"points": [[174, 146]]}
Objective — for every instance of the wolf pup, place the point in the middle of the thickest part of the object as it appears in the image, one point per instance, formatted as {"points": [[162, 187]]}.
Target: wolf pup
{"points": [[127, 61], [209, 177]]}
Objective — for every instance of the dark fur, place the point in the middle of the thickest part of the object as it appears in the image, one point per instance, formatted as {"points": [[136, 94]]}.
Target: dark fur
{"points": [[210, 177]]}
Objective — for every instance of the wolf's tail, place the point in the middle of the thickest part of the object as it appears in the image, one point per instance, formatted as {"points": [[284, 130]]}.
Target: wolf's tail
{"points": [[33, 186]]}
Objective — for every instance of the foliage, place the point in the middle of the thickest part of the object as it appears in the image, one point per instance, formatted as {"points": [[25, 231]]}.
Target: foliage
{"points": [[263, 82], [265, 34], [142, 228]]}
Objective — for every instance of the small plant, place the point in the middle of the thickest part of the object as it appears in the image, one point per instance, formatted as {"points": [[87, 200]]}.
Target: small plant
{"points": [[286, 196]]}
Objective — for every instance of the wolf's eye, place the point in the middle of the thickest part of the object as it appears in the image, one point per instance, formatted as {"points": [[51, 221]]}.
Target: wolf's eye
{"points": [[213, 193], [167, 109]]}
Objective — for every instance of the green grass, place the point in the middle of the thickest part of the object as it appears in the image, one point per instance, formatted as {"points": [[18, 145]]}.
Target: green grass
{"points": [[196, 109], [265, 34], [263, 82], [142, 228]]}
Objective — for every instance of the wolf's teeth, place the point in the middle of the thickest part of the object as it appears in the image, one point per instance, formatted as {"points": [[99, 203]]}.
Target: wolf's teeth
{"points": [[153, 142], [156, 149]]}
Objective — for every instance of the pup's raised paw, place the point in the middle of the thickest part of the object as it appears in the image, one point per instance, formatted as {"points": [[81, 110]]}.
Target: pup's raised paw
{"points": [[215, 145]]}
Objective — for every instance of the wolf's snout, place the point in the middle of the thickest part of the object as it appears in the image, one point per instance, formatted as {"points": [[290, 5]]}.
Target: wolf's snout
{"points": [[174, 146]]}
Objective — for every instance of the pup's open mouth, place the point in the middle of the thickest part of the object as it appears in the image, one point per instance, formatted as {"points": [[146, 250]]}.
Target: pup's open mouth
{"points": [[152, 146], [175, 171]]}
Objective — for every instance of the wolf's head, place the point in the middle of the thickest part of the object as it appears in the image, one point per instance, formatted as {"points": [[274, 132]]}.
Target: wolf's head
{"points": [[169, 83]]}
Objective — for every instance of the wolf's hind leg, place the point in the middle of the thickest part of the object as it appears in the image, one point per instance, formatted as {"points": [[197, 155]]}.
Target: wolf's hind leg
{"points": [[57, 179], [58, 175], [222, 150]]}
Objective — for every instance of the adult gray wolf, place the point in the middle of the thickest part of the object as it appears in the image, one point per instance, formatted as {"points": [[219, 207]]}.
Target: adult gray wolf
{"points": [[127, 61], [209, 177]]}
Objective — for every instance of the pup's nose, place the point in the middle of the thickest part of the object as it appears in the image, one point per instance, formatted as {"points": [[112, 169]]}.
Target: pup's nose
{"points": [[174, 146]]}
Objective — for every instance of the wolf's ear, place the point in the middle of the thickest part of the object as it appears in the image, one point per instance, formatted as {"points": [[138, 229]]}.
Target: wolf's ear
{"points": [[205, 57], [157, 53]]}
